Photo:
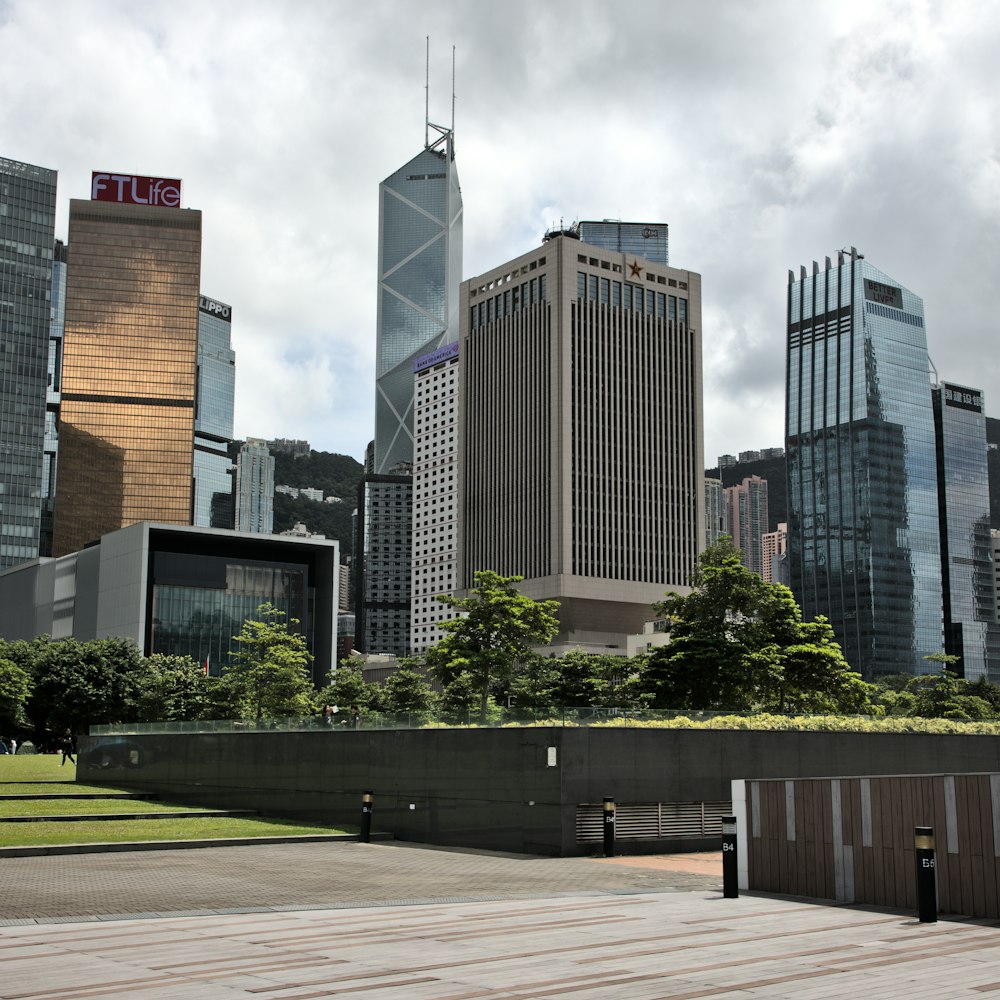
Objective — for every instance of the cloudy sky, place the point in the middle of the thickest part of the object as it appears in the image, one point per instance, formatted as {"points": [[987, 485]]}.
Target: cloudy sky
{"points": [[767, 134]]}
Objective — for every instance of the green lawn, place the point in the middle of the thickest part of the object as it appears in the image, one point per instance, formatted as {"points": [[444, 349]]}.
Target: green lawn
{"points": [[55, 788], [40, 774], [77, 807], [127, 831], [35, 767]]}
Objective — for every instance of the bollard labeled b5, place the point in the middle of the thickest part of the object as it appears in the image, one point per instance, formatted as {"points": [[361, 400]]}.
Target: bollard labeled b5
{"points": [[923, 849]]}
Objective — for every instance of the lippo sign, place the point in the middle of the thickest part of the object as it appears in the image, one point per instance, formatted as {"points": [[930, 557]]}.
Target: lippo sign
{"points": [[130, 189]]}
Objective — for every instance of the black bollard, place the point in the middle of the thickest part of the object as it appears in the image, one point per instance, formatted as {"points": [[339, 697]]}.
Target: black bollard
{"points": [[367, 803], [609, 827], [923, 843], [730, 865]]}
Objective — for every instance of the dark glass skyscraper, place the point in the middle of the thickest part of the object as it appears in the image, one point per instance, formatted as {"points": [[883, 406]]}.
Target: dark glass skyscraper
{"points": [[213, 421], [50, 459], [384, 542], [864, 547], [27, 228], [971, 631], [419, 271]]}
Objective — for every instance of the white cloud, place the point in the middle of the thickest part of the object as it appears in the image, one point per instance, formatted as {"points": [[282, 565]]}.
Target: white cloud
{"points": [[765, 134]]}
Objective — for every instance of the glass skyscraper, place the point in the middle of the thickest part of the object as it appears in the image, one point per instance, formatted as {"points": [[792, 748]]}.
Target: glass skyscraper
{"points": [[971, 631], [27, 232], [420, 269], [129, 363], [864, 548], [213, 420], [50, 458]]}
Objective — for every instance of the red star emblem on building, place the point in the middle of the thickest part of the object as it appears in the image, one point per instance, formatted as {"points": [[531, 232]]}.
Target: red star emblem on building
{"points": [[635, 269]]}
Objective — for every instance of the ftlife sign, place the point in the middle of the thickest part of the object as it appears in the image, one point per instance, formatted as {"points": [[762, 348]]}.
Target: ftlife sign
{"points": [[131, 189]]}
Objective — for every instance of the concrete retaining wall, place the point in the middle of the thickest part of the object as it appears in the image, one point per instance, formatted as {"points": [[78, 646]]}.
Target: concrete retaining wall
{"points": [[503, 789]]}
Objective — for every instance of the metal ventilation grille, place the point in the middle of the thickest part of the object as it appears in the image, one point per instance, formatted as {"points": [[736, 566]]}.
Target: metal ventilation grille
{"points": [[653, 820]]}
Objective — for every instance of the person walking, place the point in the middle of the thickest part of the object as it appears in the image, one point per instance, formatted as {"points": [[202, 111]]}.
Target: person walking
{"points": [[13, 745], [68, 748]]}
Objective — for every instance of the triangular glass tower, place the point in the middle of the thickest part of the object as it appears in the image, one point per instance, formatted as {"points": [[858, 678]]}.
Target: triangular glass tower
{"points": [[420, 269]]}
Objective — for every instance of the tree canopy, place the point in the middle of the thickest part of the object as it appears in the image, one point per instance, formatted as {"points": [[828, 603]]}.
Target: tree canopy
{"points": [[499, 626], [269, 672], [739, 643]]}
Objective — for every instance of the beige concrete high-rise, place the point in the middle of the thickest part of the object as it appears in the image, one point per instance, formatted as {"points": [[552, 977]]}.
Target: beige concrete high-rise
{"points": [[129, 367], [581, 456]]}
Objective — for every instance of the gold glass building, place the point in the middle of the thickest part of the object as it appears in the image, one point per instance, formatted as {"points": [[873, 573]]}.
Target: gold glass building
{"points": [[129, 369]]}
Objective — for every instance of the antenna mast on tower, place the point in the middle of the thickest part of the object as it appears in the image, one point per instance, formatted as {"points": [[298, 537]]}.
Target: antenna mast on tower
{"points": [[444, 135]]}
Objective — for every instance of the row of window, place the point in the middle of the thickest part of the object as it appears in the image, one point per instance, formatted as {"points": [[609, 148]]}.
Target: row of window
{"points": [[621, 295], [511, 300]]}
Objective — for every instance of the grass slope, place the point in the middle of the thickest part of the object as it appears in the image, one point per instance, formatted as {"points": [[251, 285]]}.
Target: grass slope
{"points": [[137, 830], [44, 773]]}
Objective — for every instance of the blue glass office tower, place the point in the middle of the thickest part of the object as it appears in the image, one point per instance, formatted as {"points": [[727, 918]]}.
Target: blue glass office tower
{"points": [[864, 547], [971, 631], [419, 272], [27, 230], [213, 422]]}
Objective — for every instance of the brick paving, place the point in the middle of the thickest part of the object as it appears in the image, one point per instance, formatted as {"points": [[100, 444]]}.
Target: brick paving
{"points": [[375, 922]]}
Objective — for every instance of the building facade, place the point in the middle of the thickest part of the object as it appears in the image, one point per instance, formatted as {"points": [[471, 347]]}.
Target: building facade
{"points": [[53, 399], [864, 547], [254, 499], [970, 627], [384, 528], [212, 505], [435, 494], [649, 240], [27, 238], [129, 361], [581, 447], [774, 546], [177, 590], [716, 511], [420, 268], [746, 505]]}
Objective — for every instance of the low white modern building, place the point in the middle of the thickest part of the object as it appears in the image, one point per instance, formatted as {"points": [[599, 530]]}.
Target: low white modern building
{"points": [[178, 590]]}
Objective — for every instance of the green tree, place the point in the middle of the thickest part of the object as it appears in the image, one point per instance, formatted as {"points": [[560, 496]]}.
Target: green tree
{"points": [[499, 627], [15, 689], [741, 644], [407, 690], [348, 687], [80, 684], [943, 696], [173, 688], [269, 673]]}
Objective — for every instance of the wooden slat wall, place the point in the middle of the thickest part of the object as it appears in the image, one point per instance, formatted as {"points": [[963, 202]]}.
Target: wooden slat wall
{"points": [[868, 858]]}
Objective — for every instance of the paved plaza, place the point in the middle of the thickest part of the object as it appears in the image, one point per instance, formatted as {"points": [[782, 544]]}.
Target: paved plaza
{"points": [[401, 921]]}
